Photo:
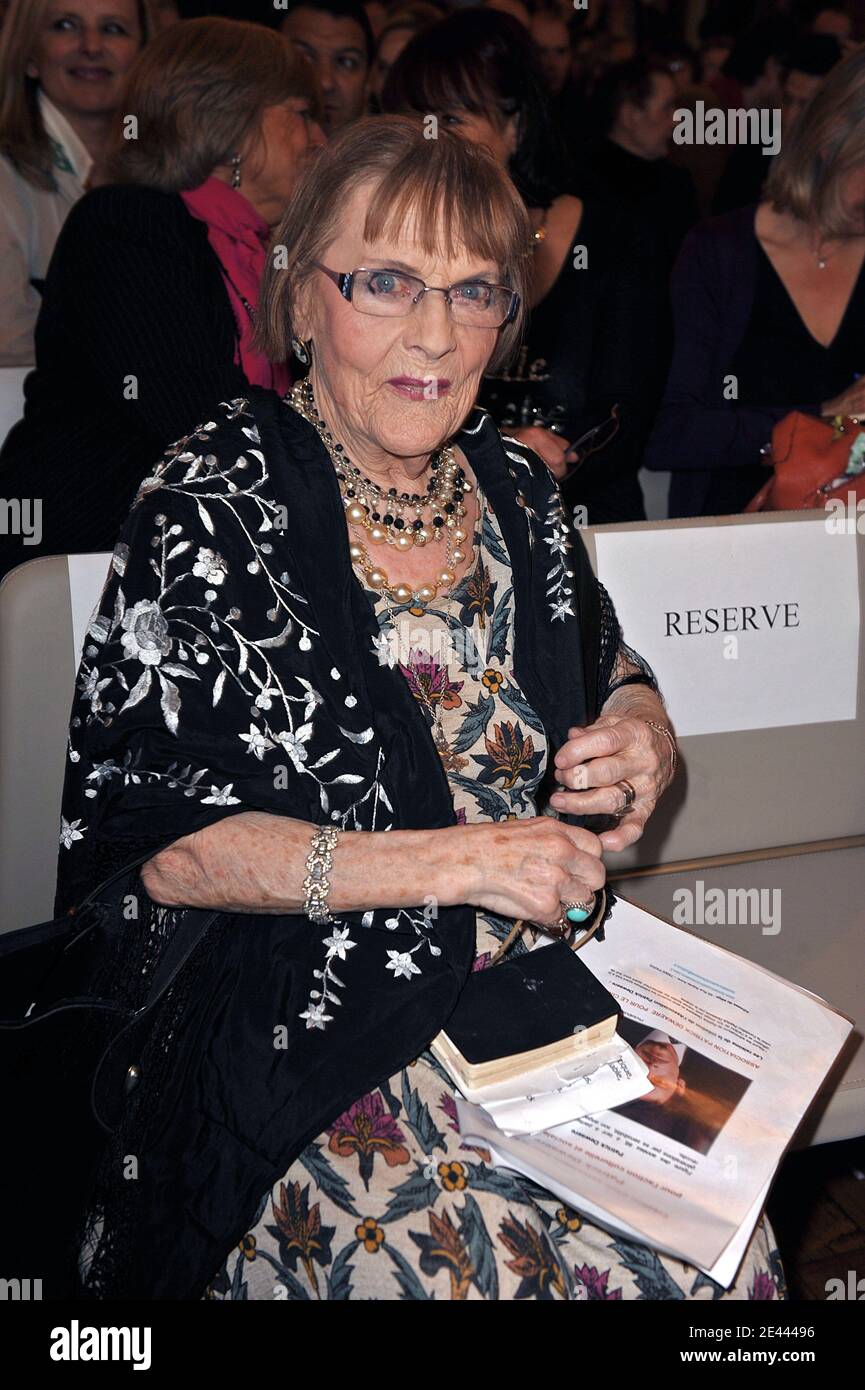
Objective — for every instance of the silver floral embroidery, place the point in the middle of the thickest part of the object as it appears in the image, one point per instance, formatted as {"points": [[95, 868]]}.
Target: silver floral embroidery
{"points": [[208, 633], [558, 540], [518, 457], [338, 944], [70, 831], [483, 417], [401, 964], [190, 632]]}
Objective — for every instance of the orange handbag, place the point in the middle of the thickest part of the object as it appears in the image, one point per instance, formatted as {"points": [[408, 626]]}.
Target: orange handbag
{"points": [[814, 460]]}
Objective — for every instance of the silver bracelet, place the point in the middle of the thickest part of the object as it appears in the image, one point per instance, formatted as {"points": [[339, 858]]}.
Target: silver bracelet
{"points": [[319, 863], [662, 729]]}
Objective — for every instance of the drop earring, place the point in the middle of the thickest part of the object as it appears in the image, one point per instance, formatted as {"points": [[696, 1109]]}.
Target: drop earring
{"points": [[302, 350], [235, 171]]}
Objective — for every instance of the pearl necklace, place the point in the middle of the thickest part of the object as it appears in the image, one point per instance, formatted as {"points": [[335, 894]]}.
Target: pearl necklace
{"points": [[363, 498]]}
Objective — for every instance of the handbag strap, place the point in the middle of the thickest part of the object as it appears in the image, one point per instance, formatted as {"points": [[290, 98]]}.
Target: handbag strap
{"points": [[186, 936], [112, 878], [176, 952]]}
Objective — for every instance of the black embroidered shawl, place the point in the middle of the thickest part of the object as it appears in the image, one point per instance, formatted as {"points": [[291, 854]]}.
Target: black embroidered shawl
{"points": [[230, 666]]}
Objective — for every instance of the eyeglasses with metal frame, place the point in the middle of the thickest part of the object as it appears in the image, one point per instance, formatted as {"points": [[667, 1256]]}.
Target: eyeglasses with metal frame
{"points": [[385, 292]]}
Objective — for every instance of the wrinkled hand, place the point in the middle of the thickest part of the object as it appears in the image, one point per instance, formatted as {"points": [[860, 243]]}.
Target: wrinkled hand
{"points": [[551, 447], [526, 868], [594, 759]]}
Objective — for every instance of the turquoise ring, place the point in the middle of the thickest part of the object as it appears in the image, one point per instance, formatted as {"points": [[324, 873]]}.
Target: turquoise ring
{"points": [[577, 912]]}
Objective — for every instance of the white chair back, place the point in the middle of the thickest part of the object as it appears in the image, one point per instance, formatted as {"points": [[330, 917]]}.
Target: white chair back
{"points": [[44, 608], [11, 397]]}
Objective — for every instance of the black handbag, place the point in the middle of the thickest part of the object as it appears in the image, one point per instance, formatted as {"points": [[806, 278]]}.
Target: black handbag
{"points": [[45, 955], [56, 1036], [55, 959]]}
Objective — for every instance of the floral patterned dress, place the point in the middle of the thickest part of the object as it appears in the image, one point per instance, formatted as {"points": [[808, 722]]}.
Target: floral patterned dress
{"points": [[389, 1203]]}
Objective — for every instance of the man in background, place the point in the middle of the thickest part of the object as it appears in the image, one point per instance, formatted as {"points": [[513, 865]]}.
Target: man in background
{"points": [[552, 41], [336, 37], [631, 111]]}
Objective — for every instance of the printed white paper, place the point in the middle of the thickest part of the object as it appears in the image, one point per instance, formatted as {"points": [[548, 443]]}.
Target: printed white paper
{"points": [[735, 1056], [624, 1079]]}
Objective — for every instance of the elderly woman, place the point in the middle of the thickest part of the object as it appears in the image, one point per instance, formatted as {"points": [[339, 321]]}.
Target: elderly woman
{"points": [[346, 648], [149, 304]]}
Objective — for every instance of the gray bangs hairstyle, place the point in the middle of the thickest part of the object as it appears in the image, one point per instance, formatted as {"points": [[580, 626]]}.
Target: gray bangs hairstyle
{"points": [[826, 144], [460, 199]]}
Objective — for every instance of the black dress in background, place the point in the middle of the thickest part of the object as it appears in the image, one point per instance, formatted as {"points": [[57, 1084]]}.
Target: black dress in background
{"points": [[779, 362], [653, 192], [586, 349], [135, 345], [743, 178]]}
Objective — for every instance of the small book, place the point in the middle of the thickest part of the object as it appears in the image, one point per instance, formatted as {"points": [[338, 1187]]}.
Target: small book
{"points": [[541, 1008]]}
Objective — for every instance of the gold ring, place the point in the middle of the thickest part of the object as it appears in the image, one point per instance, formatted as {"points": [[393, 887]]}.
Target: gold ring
{"points": [[630, 797]]}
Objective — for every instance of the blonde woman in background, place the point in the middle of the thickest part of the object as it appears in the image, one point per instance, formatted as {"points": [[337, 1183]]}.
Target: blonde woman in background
{"points": [[150, 299], [771, 296], [62, 68]]}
